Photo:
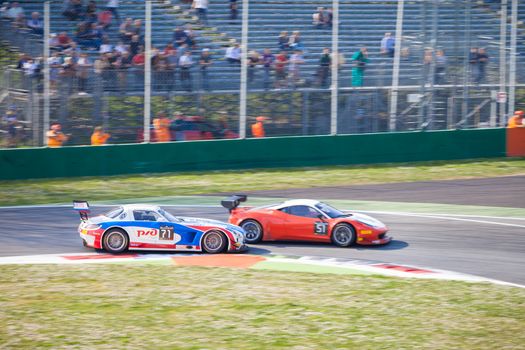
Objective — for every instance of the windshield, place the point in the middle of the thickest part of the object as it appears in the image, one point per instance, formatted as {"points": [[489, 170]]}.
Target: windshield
{"points": [[330, 211], [113, 213], [168, 216]]}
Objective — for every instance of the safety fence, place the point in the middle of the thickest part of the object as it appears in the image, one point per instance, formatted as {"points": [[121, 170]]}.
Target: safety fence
{"points": [[419, 72]]}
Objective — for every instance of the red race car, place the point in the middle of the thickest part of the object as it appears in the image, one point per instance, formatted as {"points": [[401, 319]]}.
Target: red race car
{"points": [[305, 220]]}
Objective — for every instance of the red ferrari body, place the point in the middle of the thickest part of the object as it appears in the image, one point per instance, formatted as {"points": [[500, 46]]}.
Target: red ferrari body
{"points": [[308, 220]]}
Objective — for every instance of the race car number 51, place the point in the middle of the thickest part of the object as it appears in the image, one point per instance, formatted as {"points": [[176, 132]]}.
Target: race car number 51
{"points": [[320, 228]]}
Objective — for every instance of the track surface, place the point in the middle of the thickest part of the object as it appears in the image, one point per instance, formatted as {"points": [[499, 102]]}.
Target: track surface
{"points": [[486, 249]]}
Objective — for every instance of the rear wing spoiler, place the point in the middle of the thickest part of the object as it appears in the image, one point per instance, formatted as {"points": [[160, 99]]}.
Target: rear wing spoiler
{"points": [[83, 209], [233, 202]]}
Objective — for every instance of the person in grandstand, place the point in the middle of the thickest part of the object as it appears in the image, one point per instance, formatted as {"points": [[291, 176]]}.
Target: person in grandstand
{"points": [[516, 121], [205, 61], [201, 6], [296, 60], [281, 62], [55, 136], [324, 67], [359, 59], [185, 64], [99, 137], [387, 45], [35, 23], [112, 5], [233, 54], [483, 60], [267, 60]]}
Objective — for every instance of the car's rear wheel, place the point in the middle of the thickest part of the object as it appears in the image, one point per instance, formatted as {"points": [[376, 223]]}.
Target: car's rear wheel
{"points": [[343, 235], [115, 241], [254, 231], [214, 242]]}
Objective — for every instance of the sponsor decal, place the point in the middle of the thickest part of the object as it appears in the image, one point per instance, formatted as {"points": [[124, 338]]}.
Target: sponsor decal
{"points": [[151, 232]]}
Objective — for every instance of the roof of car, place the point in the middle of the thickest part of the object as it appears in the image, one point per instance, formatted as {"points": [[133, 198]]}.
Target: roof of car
{"points": [[309, 202], [141, 207]]}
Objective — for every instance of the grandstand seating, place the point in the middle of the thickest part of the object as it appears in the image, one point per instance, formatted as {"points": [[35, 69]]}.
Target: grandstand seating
{"points": [[362, 23]]}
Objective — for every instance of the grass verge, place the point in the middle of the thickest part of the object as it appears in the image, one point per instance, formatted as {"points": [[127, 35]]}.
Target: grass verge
{"points": [[139, 186], [163, 306]]}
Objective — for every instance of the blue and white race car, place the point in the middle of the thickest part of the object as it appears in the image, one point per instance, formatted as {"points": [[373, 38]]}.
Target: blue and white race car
{"points": [[149, 227]]}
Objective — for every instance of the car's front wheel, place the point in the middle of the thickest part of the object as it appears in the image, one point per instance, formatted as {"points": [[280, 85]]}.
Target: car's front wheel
{"points": [[214, 242], [254, 231], [343, 235], [115, 241]]}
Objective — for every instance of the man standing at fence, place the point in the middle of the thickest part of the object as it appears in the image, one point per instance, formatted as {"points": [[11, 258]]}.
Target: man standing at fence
{"points": [[516, 121], [99, 137], [258, 127], [55, 136]]}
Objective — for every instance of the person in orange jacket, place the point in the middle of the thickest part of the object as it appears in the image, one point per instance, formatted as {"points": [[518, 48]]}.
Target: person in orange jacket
{"points": [[99, 137], [258, 127], [162, 127], [55, 136], [516, 121]]}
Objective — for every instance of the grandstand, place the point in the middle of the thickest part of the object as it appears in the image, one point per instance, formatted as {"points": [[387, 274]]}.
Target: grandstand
{"points": [[362, 24]]}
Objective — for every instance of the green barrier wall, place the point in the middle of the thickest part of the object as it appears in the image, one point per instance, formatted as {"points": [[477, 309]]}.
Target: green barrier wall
{"points": [[251, 153]]}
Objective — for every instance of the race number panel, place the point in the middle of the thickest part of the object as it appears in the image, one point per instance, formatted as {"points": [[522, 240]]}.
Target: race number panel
{"points": [[320, 228], [166, 233]]}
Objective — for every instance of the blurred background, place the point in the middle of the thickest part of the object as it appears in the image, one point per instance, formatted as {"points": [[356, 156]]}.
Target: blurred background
{"points": [[170, 70]]}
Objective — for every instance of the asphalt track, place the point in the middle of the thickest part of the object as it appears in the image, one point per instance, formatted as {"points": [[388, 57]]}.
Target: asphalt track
{"points": [[488, 247]]}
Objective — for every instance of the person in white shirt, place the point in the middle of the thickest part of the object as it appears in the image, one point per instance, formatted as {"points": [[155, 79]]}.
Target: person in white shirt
{"points": [[233, 54], [14, 11], [202, 10], [185, 64]]}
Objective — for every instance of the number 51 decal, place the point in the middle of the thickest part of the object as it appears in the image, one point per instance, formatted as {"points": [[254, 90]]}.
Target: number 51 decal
{"points": [[320, 228]]}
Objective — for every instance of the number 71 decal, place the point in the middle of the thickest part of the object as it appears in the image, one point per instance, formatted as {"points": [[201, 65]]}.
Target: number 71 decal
{"points": [[320, 228]]}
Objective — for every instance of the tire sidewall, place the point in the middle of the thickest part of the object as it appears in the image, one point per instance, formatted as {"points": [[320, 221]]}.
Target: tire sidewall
{"points": [[221, 248], [350, 242], [254, 222], [111, 232]]}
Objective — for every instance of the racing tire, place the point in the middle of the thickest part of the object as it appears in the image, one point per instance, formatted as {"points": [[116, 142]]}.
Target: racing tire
{"points": [[115, 241], [254, 231], [214, 242], [343, 235]]}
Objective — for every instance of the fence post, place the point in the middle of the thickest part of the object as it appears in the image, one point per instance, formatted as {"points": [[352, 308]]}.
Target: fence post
{"points": [[395, 71]]}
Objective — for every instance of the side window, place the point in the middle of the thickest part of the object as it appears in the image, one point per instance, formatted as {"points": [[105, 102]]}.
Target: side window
{"points": [[302, 210], [145, 215]]}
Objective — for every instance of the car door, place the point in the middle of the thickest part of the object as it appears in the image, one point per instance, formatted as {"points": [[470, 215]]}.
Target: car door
{"points": [[302, 222], [152, 230]]}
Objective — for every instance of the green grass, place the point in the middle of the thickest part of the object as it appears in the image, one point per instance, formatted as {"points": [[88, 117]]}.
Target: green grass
{"points": [[148, 185], [168, 307]]}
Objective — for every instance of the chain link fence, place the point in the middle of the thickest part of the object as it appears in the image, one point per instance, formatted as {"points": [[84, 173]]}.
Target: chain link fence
{"points": [[440, 86]]}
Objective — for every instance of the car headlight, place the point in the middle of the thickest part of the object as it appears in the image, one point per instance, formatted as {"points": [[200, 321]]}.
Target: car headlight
{"points": [[91, 226], [367, 220]]}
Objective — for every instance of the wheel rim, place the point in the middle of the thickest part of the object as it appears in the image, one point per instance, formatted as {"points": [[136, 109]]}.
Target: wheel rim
{"points": [[252, 230], [213, 241], [343, 235], [115, 241]]}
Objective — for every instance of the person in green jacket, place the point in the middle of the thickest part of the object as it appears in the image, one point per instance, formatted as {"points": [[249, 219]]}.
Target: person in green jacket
{"points": [[359, 59]]}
